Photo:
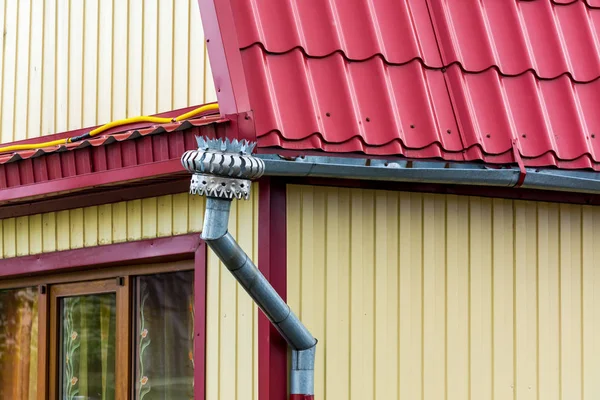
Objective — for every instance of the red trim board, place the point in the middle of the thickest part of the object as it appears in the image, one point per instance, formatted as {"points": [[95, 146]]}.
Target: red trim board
{"points": [[200, 321], [272, 262]]}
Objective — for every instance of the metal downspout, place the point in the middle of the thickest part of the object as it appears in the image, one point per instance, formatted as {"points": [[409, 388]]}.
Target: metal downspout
{"points": [[222, 171]]}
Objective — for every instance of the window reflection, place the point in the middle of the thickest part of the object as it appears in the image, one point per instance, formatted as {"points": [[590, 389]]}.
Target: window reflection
{"points": [[165, 336], [18, 343]]}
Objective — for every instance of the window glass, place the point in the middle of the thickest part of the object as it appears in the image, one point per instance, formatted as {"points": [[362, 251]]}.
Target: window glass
{"points": [[18, 343], [165, 336], [88, 342]]}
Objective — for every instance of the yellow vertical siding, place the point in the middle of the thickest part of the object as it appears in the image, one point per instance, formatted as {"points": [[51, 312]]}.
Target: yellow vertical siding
{"points": [[231, 348], [420, 296], [67, 64]]}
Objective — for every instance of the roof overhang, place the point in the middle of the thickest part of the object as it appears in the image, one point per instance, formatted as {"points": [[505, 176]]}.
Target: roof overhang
{"points": [[134, 156]]}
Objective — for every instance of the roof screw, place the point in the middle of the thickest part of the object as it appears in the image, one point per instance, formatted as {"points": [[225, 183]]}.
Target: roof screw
{"points": [[593, 135], [328, 114], [448, 131], [368, 119], [524, 136], [412, 126], [488, 136]]}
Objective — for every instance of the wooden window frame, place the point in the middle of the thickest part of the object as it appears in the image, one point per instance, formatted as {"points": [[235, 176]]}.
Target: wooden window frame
{"points": [[121, 287], [183, 252]]}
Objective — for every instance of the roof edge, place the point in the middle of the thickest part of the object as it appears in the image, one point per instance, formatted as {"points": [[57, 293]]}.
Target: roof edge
{"points": [[433, 172], [122, 128]]}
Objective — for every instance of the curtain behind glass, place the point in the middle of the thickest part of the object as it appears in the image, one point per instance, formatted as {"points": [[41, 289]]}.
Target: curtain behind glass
{"points": [[165, 336], [18, 343], [88, 347]]}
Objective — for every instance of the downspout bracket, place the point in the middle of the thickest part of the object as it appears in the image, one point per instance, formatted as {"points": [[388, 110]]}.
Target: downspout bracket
{"points": [[222, 168], [221, 187]]}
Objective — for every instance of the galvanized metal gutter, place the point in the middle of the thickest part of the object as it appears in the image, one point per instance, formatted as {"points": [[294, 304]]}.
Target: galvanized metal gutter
{"points": [[223, 170], [433, 172]]}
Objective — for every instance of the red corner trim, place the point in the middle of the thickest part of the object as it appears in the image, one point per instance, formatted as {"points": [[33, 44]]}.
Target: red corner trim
{"points": [[226, 65], [272, 348], [200, 321]]}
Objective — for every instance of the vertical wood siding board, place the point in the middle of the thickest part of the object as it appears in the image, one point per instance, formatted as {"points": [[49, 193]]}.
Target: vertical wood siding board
{"points": [[99, 161], [40, 169], [68, 167], [189, 136], [53, 163], [161, 148], [83, 164], [144, 150], [13, 176], [129, 153], [3, 180], [176, 144], [26, 172], [113, 156]]}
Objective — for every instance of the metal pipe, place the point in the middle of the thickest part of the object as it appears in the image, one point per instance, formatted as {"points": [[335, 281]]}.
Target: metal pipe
{"points": [[247, 274], [433, 172], [303, 344], [221, 172]]}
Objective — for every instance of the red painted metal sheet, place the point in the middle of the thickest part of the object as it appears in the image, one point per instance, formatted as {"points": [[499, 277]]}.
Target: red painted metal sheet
{"points": [[458, 80], [104, 160], [129, 155], [518, 36], [357, 29], [272, 258]]}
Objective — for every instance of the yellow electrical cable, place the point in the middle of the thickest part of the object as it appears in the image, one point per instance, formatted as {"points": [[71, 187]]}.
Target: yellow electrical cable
{"points": [[105, 127], [190, 114]]}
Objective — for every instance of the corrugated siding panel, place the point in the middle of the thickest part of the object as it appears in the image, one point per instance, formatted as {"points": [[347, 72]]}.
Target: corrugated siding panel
{"points": [[67, 64], [421, 296], [232, 352]]}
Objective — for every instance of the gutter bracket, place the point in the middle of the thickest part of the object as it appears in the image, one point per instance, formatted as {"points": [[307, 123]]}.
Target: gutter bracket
{"points": [[519, 160]]}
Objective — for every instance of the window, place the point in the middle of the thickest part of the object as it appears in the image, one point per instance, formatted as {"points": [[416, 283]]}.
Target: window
{"points": [[121, 333]]}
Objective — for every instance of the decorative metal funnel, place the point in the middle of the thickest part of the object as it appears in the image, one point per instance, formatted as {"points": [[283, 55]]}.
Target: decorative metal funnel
{"points": [[222, 168]]}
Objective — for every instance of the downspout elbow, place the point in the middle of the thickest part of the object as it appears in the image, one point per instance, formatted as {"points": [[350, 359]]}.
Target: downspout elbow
{"points": [[222, 171]]}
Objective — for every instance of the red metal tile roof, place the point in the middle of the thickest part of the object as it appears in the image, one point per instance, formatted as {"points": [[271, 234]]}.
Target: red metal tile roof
{"points": [[452, 79]]}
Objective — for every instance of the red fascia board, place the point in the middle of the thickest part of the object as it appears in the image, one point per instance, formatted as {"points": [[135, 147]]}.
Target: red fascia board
{"points": [[110, 177], [106, 195]]}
